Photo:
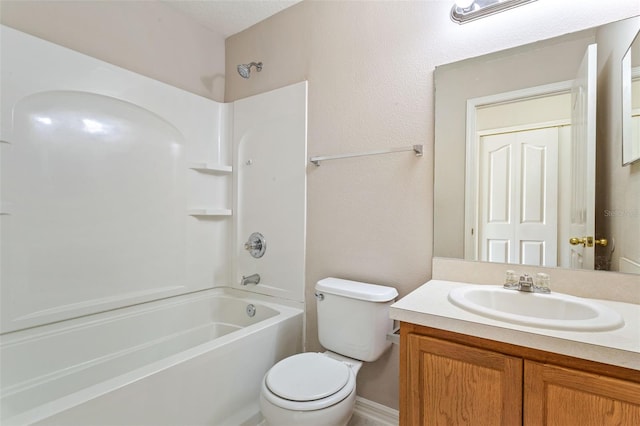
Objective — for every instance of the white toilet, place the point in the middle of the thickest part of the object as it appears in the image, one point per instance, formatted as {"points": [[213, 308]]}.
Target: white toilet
{"points": [[314, 389]]}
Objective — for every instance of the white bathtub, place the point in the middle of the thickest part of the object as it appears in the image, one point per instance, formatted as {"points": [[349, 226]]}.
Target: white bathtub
{"points": [[196, 359]]}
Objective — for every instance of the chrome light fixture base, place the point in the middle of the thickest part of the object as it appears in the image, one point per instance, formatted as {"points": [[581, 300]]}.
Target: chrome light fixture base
{"points": [[481, 8]]}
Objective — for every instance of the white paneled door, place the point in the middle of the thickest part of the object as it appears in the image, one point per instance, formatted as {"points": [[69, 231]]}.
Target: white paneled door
{"points": [[583, 173], [518, 197]]}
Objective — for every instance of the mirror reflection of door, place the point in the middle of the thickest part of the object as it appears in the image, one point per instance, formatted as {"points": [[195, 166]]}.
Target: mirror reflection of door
{"points": [[519, 226], [534, 176], [583, 159]]}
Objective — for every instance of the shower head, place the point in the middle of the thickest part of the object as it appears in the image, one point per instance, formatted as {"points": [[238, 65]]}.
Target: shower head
{"points": [[245, 69]]}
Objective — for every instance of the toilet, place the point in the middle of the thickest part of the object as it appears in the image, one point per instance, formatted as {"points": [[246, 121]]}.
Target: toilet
{"points": [[319, 389]]}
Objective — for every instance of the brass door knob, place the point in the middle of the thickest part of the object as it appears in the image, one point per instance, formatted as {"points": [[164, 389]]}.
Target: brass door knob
{"points": [[588, 241], [601, 242], [575, 241]]}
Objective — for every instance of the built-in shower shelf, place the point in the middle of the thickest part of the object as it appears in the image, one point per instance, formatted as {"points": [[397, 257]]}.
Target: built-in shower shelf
{"points": [[210, 168], [210, 212]]}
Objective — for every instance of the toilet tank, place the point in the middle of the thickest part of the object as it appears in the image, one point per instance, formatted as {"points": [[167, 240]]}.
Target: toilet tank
{"points": [[353, 317]]}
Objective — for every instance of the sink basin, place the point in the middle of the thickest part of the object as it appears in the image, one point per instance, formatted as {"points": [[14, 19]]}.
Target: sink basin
{"points": [[553, 311]]}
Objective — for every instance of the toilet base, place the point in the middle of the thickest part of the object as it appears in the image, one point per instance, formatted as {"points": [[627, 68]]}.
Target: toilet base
{"points": [[336, 415]]}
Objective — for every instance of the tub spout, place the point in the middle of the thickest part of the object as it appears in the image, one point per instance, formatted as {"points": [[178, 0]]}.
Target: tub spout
{"points": [[251, 279]]}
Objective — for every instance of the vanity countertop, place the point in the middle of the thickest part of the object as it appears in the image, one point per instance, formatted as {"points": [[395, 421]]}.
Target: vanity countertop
{"points": [[428, 305]]}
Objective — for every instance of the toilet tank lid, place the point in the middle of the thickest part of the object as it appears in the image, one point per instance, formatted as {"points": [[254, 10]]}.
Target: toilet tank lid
{"points": [[357, 290]]}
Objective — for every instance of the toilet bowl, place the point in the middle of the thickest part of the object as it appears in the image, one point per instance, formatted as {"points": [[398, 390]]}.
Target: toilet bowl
{"points": [[311, 389], [319, 389]]}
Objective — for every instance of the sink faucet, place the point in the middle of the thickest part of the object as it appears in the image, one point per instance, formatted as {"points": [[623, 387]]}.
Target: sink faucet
{"points": [[251, 279], [526, 283]]}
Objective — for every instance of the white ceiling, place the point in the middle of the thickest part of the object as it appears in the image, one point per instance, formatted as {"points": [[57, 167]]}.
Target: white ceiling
{"points": [[228, 17]]}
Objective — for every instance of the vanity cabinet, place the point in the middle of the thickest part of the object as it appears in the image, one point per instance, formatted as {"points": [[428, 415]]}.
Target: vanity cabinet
{"points": [[451, 384], [561, 396], [452, 379]]}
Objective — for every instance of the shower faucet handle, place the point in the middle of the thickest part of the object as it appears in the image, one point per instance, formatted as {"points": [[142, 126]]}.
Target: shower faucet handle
{"points": [[252, 245], [256, 245]]}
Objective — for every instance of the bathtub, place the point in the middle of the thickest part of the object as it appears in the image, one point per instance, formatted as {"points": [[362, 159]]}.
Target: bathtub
{"points": [[196, 359]]}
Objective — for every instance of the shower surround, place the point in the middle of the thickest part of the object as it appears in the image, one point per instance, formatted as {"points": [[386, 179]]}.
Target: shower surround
{"points": [[118, 190]]}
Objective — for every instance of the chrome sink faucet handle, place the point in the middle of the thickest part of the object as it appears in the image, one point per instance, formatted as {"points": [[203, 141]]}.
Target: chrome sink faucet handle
{"points": [[542, 283], [511, 280]]}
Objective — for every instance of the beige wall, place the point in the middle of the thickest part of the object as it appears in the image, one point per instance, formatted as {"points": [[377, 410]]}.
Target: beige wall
{"points": [[147, 37], [370, 71], [368, 218]]}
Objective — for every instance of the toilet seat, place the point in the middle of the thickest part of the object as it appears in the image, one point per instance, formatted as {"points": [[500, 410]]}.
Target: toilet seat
{"points": [[308, 381], [307, 377]]}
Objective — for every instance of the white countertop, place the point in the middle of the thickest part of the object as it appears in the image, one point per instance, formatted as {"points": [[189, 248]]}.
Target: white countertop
{"points": [[428, 305]]}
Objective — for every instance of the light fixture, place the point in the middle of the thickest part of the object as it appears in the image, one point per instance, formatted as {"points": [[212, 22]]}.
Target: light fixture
{"points": [[464, 3], [467, 10]]}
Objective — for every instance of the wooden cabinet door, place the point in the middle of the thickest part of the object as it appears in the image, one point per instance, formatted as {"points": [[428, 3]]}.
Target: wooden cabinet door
{"points": [[452, 384], [564, 397]]}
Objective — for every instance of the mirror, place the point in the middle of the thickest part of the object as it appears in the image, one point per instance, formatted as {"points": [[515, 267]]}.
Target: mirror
{"points": [[631, 103], [494, 88]]}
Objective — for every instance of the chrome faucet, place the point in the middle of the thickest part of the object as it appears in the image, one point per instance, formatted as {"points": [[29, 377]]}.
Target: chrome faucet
{"points": [[525, 283], [251, 279]]}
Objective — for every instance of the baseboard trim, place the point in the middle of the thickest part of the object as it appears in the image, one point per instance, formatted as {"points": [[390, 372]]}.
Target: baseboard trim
{"points": [[381, 414]]}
